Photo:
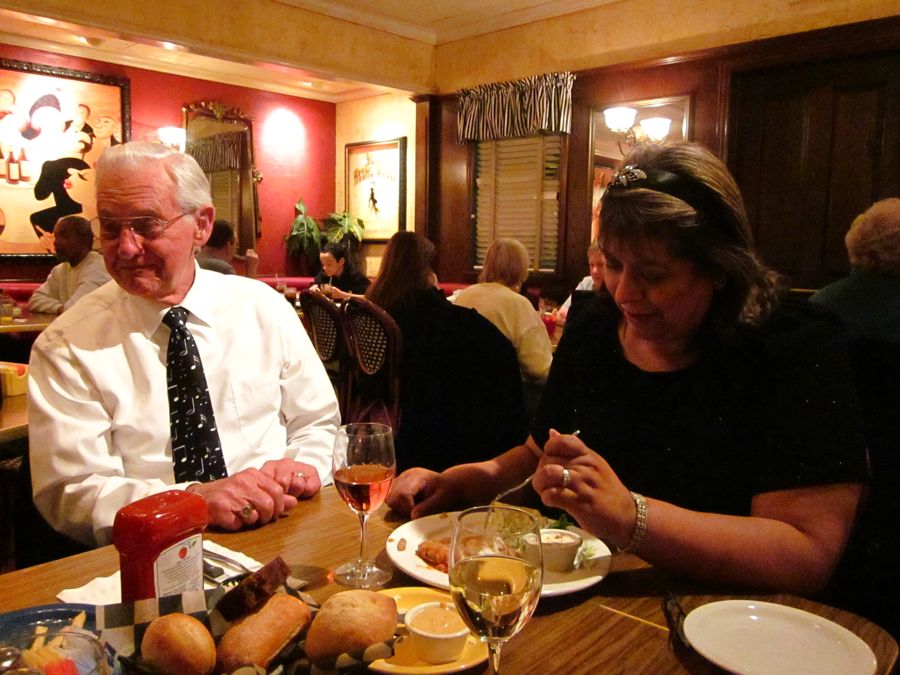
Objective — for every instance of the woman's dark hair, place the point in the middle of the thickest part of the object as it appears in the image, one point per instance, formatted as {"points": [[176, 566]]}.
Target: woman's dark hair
{"points": [[337, 251], [405, 272], [684, 195]]}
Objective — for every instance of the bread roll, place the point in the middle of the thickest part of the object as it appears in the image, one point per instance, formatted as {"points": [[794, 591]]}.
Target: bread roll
{"points": [[350, 621], [179, 644], [257, 638]]}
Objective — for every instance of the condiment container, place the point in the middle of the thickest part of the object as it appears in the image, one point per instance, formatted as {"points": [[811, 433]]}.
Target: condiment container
{"points": [[437, 632], [160, 544], [560, 547]]}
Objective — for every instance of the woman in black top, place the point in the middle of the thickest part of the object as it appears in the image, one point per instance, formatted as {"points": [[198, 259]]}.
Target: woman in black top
{"points": [[338, 274], [688, 382]]}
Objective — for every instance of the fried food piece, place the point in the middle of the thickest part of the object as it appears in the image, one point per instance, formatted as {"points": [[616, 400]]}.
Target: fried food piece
{"points": [[435, 552]]}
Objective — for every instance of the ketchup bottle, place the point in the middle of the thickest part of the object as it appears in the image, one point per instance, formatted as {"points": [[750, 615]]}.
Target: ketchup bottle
{"points": [[160, 544]]}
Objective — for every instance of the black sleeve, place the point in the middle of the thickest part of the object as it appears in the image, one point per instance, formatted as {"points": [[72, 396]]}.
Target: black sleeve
{"points": [[577, 362], [357, 283], [812, 417]]}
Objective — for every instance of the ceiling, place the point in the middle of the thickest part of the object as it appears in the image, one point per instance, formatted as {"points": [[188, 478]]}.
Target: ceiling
{"points": [[433, 22]]}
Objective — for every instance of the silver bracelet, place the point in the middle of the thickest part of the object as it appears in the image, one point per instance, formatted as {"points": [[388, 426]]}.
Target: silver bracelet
{"points": [[640, 524]]}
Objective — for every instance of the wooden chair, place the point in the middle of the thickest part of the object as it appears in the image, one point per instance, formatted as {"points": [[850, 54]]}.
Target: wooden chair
{"points": [[325, 324], [375, 346]]}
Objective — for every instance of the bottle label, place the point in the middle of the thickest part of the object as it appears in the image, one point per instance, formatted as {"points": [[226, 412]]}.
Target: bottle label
{"points": [[179, 568]]}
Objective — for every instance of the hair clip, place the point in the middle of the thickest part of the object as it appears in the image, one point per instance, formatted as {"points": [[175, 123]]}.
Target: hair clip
{"points": [[626, 177]]}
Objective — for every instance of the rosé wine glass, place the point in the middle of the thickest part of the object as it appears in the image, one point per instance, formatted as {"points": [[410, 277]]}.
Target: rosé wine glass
{"points": [[364, 468]]}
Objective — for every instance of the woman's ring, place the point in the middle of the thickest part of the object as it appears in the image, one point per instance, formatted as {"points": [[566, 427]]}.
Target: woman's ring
{"points": [[566, 477], [300, 474], [247, 511]]}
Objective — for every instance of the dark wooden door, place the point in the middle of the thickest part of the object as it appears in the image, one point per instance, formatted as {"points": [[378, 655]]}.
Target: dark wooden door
{"points": [[812, 146]]}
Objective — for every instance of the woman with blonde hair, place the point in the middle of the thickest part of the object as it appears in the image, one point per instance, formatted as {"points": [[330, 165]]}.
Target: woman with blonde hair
{"points": [[868, 299], [496, 297]]}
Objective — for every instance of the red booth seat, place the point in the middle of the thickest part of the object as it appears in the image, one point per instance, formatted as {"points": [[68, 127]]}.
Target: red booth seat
{"points": [[20, 291], [300, 283]]}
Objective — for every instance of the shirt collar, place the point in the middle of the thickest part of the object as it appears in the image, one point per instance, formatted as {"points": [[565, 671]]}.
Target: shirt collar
{"points": [[201, 296], [199, 301]]}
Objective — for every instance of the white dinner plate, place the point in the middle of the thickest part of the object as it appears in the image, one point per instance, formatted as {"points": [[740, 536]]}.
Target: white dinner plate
{"points": [[746, 636], [592, 566]]}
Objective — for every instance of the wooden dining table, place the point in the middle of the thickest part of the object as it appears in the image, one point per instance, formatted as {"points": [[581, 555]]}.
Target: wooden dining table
{"points": [[27, 323], [615, 626], [13, 418]]}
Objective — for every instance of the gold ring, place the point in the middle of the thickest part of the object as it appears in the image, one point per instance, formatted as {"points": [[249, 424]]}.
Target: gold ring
{"points": [[247, 511], [300, 474], [566, 478]]}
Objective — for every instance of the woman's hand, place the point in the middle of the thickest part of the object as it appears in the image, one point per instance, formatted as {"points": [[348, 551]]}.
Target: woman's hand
{"points": [[338, 294], [419, 492], [594, 496]]}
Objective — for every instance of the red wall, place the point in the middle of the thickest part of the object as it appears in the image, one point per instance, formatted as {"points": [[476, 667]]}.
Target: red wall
{"points": [[303, 166]]}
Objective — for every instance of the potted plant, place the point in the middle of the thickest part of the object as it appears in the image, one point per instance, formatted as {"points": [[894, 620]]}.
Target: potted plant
{"points": [[346, 229], [305, 237]]}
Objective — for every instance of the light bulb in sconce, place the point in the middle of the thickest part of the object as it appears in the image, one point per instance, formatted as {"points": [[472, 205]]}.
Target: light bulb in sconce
{"points": [[619, 119], [174, 137], [656, 128]]}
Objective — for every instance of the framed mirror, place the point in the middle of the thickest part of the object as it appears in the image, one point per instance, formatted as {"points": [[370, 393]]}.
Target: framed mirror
{"points": [[616, 128], [220, 138]]}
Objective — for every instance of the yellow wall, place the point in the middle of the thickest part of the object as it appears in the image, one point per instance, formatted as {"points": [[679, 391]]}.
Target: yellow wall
{"points": [[379, 118], [618, 32], [257, 31], [636, 29]]}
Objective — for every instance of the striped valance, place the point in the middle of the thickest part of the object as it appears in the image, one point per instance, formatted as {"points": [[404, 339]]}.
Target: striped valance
{"points": [[217, 153], [534, 105]]}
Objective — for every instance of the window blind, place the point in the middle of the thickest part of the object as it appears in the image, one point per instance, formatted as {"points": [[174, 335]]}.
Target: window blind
{"points": [[517, 195]]}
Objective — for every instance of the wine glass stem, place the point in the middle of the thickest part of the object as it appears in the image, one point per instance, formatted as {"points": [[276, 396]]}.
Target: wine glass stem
{"points": [[494, 652], [363, 520]]}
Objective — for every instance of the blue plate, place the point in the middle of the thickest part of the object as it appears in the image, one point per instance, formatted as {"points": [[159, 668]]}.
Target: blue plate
{"points": [[22, 620]]}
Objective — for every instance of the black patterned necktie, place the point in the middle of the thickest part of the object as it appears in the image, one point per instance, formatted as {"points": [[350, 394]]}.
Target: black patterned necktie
{"points": [[196, 450]]}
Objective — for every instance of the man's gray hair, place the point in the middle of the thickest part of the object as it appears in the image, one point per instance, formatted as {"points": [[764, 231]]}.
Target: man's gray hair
{"points": [[190, 182]]}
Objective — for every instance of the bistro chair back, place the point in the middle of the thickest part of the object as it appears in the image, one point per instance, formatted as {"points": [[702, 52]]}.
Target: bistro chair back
{"points": [[325, 325], [375, 344]]}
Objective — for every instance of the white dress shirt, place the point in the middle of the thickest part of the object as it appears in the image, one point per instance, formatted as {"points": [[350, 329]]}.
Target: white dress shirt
{"points": [[66, 284], [586, 284], [515, 317], [99, 409]]}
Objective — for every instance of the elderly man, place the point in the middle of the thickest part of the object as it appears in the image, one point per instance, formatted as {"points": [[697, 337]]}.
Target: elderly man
{"points": [[173, 377], [79, 272]]}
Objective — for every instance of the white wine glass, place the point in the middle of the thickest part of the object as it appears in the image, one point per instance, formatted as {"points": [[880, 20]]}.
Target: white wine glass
{"points": [[496, 572], [364, 467]]}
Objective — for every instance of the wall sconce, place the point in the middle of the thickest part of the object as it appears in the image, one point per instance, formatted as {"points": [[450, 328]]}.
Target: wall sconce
{"points": [[174, 137], [620, 121]]}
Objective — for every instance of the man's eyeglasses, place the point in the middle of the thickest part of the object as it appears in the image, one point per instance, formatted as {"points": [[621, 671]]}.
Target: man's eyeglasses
{"points": [[145, 227]]}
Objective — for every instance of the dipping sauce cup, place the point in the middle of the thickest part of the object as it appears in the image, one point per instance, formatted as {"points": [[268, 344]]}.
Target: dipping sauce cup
{"points": [[437, 632], [560, 549]]}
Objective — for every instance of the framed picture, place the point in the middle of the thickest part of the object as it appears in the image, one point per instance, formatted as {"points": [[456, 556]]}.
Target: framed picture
{"points": [[375, 186], [54, 125]]}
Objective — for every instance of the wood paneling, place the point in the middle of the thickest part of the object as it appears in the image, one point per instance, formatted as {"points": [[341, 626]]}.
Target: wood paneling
{"points": [[812, 149], [829, 142]]}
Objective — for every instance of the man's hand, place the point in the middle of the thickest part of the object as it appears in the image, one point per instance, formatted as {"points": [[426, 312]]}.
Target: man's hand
{"points": [[251, 263], [295, 478], [249, 497]]}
